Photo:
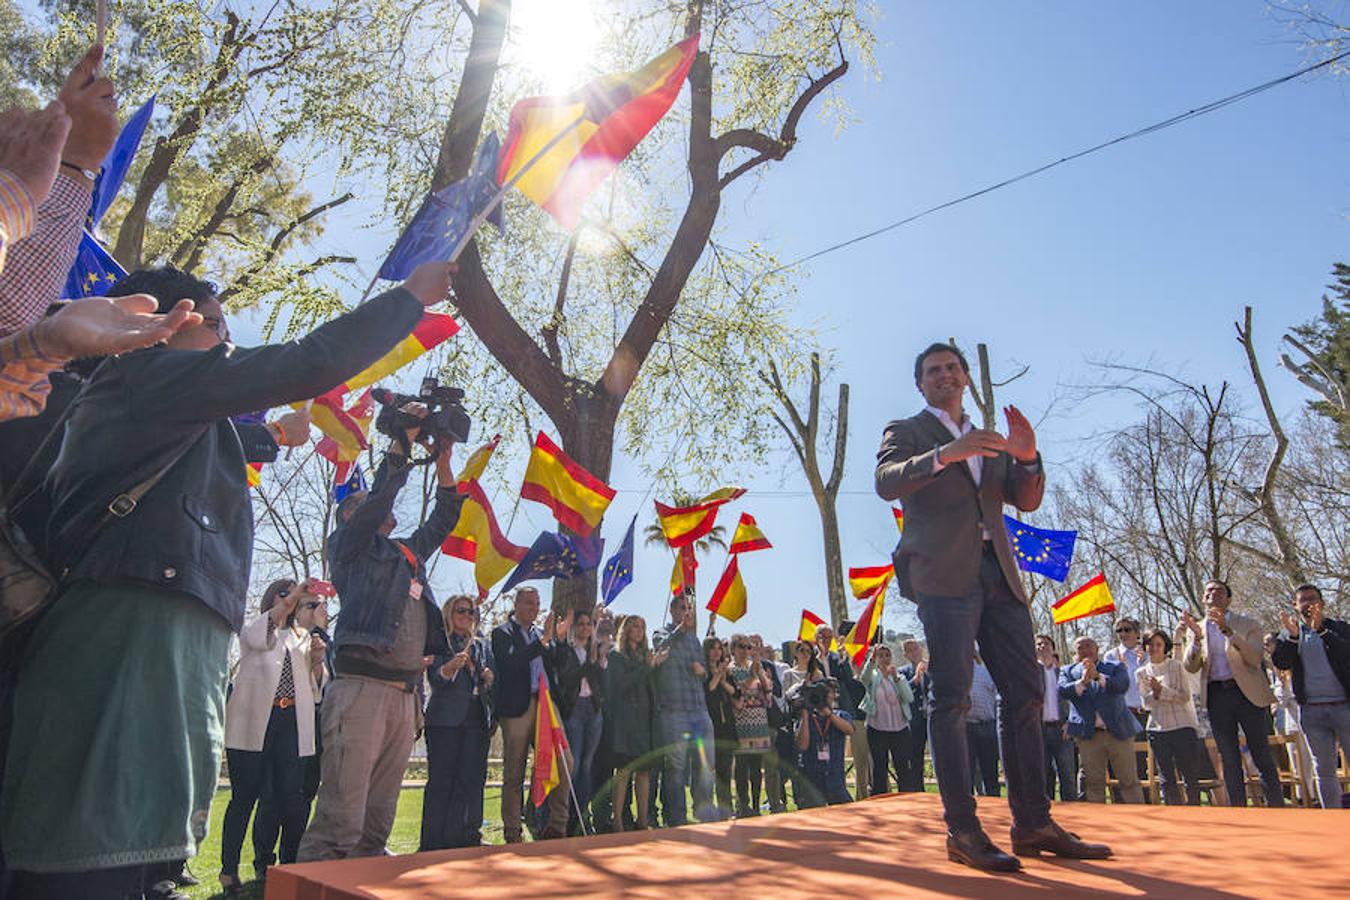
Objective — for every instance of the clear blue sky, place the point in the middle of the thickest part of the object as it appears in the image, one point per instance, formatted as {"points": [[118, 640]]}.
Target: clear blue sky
{"points": [[1145, 252]]}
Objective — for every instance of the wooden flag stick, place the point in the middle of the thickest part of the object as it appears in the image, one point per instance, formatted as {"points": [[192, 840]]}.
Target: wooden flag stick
{"points": [[101, 22]]}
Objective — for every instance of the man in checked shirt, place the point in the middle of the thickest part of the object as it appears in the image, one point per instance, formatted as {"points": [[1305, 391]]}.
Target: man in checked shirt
{"points": [[48, 162]]}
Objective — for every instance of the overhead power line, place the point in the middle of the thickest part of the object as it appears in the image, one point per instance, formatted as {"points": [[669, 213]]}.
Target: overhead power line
{"points": [[1141, 132]]}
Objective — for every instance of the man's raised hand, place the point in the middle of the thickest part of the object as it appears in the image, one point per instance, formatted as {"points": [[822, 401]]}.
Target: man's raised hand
{"points": [[976, 442], [1021, 441], [430, 282], [30, 146], [91, 102]]}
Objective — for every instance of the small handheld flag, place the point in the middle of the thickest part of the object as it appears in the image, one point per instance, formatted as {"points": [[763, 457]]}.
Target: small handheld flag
{"points": [[445, 215], [118, 162], [899, 518], [355, 483], [550, 742], [93, 272], [869, 581], [686, 524], [555, 555], [476, 536], [1092, 599], [682, 576], [748, 537], [1041, 550], [618, 572], [866, 629], [578, 499], [728, 599], [811, 623], [592, 130]]}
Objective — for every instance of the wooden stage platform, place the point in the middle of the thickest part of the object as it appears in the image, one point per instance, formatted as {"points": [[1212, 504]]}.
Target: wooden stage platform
{"points": [[883, 847]]}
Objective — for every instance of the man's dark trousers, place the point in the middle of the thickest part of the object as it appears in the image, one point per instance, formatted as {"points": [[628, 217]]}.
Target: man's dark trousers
{"points": [[1001, 623], [1059, 760], [982, 741], [1229, 708]]}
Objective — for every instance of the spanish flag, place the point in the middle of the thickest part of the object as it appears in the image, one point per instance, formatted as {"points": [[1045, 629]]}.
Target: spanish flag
{"points": [[869, 581], [346, 432], [810, 625], [607, 118], [433, 330], [682, 576], [1093, 598], [899, 519], [476, 536], [550, 743], [728, 599], [578, 499], [253, 472], [685, 524], [866, 629], [748, 537]]}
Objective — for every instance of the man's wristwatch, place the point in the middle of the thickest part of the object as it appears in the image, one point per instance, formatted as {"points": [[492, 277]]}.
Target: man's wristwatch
{"points": [[90, 175]]}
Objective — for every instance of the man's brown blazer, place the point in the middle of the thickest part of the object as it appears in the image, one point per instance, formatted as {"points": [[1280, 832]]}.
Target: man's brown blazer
{"points": [[940, 548]]}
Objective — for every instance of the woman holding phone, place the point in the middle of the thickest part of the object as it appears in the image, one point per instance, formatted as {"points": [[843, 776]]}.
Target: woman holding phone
{"points": [[269, 727]]}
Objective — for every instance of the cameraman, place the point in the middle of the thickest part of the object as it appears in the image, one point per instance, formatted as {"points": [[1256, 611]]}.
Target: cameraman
{"points": [[821, 731], [389, 626]]}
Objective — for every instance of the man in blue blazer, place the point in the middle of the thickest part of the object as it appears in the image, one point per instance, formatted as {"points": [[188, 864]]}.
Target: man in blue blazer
{"points": [[1100, 721]]}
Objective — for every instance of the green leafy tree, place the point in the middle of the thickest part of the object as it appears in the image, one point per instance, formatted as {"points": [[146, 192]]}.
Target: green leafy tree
{"points": [[651, 300], [1324, 344]]}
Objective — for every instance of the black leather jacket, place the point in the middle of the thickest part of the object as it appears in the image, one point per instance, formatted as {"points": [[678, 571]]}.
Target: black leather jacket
{"points": [[194, 531]]}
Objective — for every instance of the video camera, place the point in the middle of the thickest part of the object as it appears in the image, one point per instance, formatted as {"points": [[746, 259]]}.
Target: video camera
{"points": [[446, 417], [817, 695]]}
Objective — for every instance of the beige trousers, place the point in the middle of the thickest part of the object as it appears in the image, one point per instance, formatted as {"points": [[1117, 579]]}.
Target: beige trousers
{"points": [[1105, 748], [862, 761], [368, 730]]}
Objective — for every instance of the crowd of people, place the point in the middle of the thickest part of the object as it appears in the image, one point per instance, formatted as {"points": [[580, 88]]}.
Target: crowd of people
{"points": [[127, 513]]}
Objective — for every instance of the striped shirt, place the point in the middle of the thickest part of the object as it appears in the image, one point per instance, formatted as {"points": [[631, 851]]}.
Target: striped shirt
{"points": [[36, 268], [16, 212], [24, 368]]}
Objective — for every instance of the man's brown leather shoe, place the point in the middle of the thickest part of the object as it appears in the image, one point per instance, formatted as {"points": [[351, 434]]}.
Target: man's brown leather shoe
{"points": [[1053, 839], [974, 849]]}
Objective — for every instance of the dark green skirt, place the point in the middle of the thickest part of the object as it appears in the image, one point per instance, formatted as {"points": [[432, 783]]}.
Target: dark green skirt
{"points": [[119, 721]]}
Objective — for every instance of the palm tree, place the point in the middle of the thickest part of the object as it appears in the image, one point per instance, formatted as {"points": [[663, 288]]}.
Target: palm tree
{"points": [[653, 536]]}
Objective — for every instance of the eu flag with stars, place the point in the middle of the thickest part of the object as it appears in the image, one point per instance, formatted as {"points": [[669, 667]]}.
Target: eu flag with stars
{"points": [[118, 161], [554, 555], [618, 572], [444, 216], [354, 484], [93, 272], [1041, 550]]}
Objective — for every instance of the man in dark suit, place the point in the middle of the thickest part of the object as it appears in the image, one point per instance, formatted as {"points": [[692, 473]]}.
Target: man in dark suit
{"points": [[954, 560], [522, 654], [1101, 722]]}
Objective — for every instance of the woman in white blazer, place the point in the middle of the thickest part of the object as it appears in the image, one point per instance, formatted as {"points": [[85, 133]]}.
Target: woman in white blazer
{"points": [[269, 726]]}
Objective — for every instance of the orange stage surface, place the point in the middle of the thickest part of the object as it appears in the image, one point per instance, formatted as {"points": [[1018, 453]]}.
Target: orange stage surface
{"points": [[893, 845]]}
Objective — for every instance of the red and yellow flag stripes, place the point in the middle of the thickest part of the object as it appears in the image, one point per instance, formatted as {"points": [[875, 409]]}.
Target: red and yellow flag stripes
{"points": [[578, 499], [615, 113]]}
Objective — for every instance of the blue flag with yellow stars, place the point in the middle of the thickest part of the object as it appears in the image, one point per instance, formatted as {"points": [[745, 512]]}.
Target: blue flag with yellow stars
{"points": [[554, 555], [93, 272], [618, 572], [354, 484], [445, 215], [1041, 550]]}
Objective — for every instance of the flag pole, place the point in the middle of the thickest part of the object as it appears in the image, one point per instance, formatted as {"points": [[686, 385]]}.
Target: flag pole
{"points": [[571, 789], [100, 22], [478, 220]]}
